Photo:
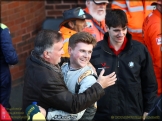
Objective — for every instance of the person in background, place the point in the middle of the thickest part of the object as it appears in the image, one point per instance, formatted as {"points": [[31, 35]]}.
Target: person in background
{"points": [[74, 21], [96, 26], [136, 11], [8, 56], [43, 80], [153, 40], [132, 96]]}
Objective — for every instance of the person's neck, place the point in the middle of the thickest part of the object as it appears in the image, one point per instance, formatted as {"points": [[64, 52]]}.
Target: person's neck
{"points": [[74, 68], [116, 46], [71, 66], [98, 22]]}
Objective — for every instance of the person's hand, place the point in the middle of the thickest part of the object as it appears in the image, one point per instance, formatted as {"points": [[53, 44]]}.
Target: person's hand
{"points": [[108, 80], [144, 115], [42, 110], [93, 68]]}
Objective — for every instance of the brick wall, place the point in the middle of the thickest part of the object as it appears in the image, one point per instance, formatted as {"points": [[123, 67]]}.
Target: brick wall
{"points": [[55, 8], [24, 19]]}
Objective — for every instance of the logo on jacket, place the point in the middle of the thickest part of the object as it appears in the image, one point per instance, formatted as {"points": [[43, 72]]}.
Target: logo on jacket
{"points": [[89, 24], [104, 66], [131, 64], [158, 41]]}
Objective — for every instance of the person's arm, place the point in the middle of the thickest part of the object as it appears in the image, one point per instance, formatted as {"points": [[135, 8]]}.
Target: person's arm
{"points": [[156, 42], [148, 80], [56, 94], [54, 114], [7, 48]]}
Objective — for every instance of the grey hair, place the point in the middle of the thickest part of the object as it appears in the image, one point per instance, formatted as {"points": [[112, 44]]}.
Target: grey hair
{"points": [[45, 40]]}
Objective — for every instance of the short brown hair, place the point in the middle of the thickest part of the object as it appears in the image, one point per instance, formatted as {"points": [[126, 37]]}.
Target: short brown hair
{"points": [[84, 37]]}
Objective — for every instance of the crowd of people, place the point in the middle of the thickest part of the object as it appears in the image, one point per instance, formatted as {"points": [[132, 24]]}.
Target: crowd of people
{"points": [[100, 65]]}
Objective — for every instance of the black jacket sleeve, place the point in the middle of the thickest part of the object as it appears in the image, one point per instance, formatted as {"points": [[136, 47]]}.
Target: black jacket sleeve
{"points": [[149, 84], [45, 85], [57, 96]]}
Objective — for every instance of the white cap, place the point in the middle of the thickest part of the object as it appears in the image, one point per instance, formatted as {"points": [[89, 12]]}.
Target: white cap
{"points": [[100, 1]]}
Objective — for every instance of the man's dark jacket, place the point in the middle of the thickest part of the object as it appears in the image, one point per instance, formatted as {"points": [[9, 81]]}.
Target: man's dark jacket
{"points": [[44, 84], [135, 88]]}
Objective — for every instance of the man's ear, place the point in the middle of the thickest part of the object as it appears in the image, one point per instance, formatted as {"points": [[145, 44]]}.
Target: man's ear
{"points": [[69, 50], [71, 24], [46, 54], [107, 28]]}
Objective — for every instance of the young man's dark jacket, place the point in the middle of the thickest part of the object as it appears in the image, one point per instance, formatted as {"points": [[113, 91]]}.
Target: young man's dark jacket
{"points": [[44, 84], [135, 88], [156, 112]]}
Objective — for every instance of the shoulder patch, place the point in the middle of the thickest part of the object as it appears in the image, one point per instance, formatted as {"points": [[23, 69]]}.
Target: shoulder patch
{"points": [[3, 26], [89, 24], [85, 74], [158, 41]]}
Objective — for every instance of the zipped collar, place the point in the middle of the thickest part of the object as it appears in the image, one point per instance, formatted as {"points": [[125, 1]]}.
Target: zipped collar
{"points": [[70, 68], [107, 49]]}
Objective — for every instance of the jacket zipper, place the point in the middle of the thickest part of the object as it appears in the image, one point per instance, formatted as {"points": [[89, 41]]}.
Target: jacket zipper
{"points": [[118, 63]]}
